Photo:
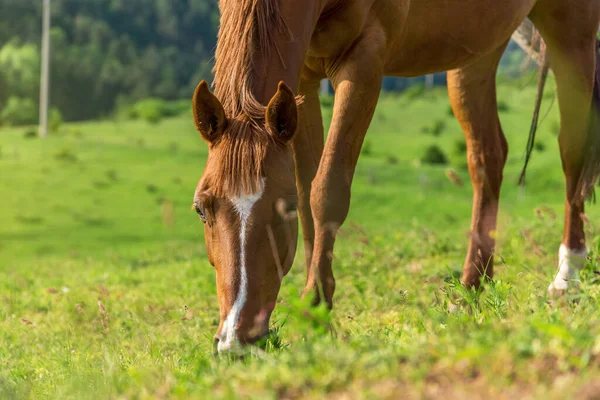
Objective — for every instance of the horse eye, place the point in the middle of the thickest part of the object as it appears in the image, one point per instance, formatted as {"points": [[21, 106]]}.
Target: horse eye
{"points": [[199, 212]]}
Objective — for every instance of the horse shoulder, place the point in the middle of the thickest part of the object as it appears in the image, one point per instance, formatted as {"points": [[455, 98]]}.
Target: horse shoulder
{"points": [[338, 28]]}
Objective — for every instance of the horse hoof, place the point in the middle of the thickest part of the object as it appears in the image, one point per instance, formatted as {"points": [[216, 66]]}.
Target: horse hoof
{"points": [[561, 289], [556, 292]]}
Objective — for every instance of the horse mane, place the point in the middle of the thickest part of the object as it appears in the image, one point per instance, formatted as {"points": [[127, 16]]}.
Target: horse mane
{"points": [[247, 27], [241, 153]]}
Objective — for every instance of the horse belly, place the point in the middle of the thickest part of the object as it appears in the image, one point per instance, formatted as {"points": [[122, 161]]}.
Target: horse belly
{"points": [[441, 35]]}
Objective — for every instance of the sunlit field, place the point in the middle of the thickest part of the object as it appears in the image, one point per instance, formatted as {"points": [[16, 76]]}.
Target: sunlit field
{"points": [[106, 291]]}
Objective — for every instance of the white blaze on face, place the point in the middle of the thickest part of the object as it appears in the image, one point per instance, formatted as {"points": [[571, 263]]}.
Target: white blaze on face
{"points": [[569, 264], [243, 205]]}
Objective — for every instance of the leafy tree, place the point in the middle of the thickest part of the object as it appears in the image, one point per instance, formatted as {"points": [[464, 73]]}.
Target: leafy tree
{"points": [[20, 66], [106, 52], [19, 111]]}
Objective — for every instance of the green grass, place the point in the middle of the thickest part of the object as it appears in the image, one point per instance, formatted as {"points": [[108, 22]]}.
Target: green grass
{"points": [[104, 294]]}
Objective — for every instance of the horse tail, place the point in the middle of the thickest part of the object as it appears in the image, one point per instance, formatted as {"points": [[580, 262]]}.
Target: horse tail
{"points": [[591, 162], [543, 76], [590, 172]]}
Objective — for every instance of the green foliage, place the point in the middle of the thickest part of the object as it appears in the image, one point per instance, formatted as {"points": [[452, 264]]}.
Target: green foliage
{"points": [[66, 154], [19, 111], [30, 134], [503, 106], [458, 156], [367, 148], [103, 49], [460, 147], [154, 110], [150, 111], [326, 101], [414, 91], [555, 127], [23, 111], [55, 120], [391, 160], [539, 146], [19, 70], [435, 128], [434, 155]]}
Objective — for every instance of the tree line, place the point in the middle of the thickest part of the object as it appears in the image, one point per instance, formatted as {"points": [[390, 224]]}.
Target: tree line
{"points": [[105, 53]]}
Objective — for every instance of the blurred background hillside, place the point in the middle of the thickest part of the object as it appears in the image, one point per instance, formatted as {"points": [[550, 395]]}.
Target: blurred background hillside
{"points": [[105, 53]]}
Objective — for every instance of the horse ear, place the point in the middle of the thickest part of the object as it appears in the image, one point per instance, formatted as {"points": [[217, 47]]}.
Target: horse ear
{"points": [[209, 114], [281, 115]]}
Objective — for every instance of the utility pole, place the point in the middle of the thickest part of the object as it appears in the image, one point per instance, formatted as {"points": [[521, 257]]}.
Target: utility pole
{"points": [[45, 76]]}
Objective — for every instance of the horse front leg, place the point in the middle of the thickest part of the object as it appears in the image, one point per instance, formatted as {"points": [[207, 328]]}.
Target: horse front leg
{"points": [[308, 148], [357, 80]]}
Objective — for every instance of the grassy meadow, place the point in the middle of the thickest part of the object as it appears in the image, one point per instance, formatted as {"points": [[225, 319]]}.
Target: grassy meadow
{"points": [[106, 292]]}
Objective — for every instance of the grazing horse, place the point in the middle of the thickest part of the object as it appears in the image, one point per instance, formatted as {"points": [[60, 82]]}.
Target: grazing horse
{"points": [[267, 153]]}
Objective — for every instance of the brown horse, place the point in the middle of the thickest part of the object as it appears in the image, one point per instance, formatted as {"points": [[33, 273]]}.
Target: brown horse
{"points": [[267, 153]]}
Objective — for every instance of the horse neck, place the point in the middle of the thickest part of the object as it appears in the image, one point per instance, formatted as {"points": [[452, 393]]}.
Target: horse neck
{"points": [[285, 62]]}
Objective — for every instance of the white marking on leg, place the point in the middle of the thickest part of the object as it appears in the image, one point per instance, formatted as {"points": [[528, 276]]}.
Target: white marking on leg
{"points": [[243, 205], [569, 264]]}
